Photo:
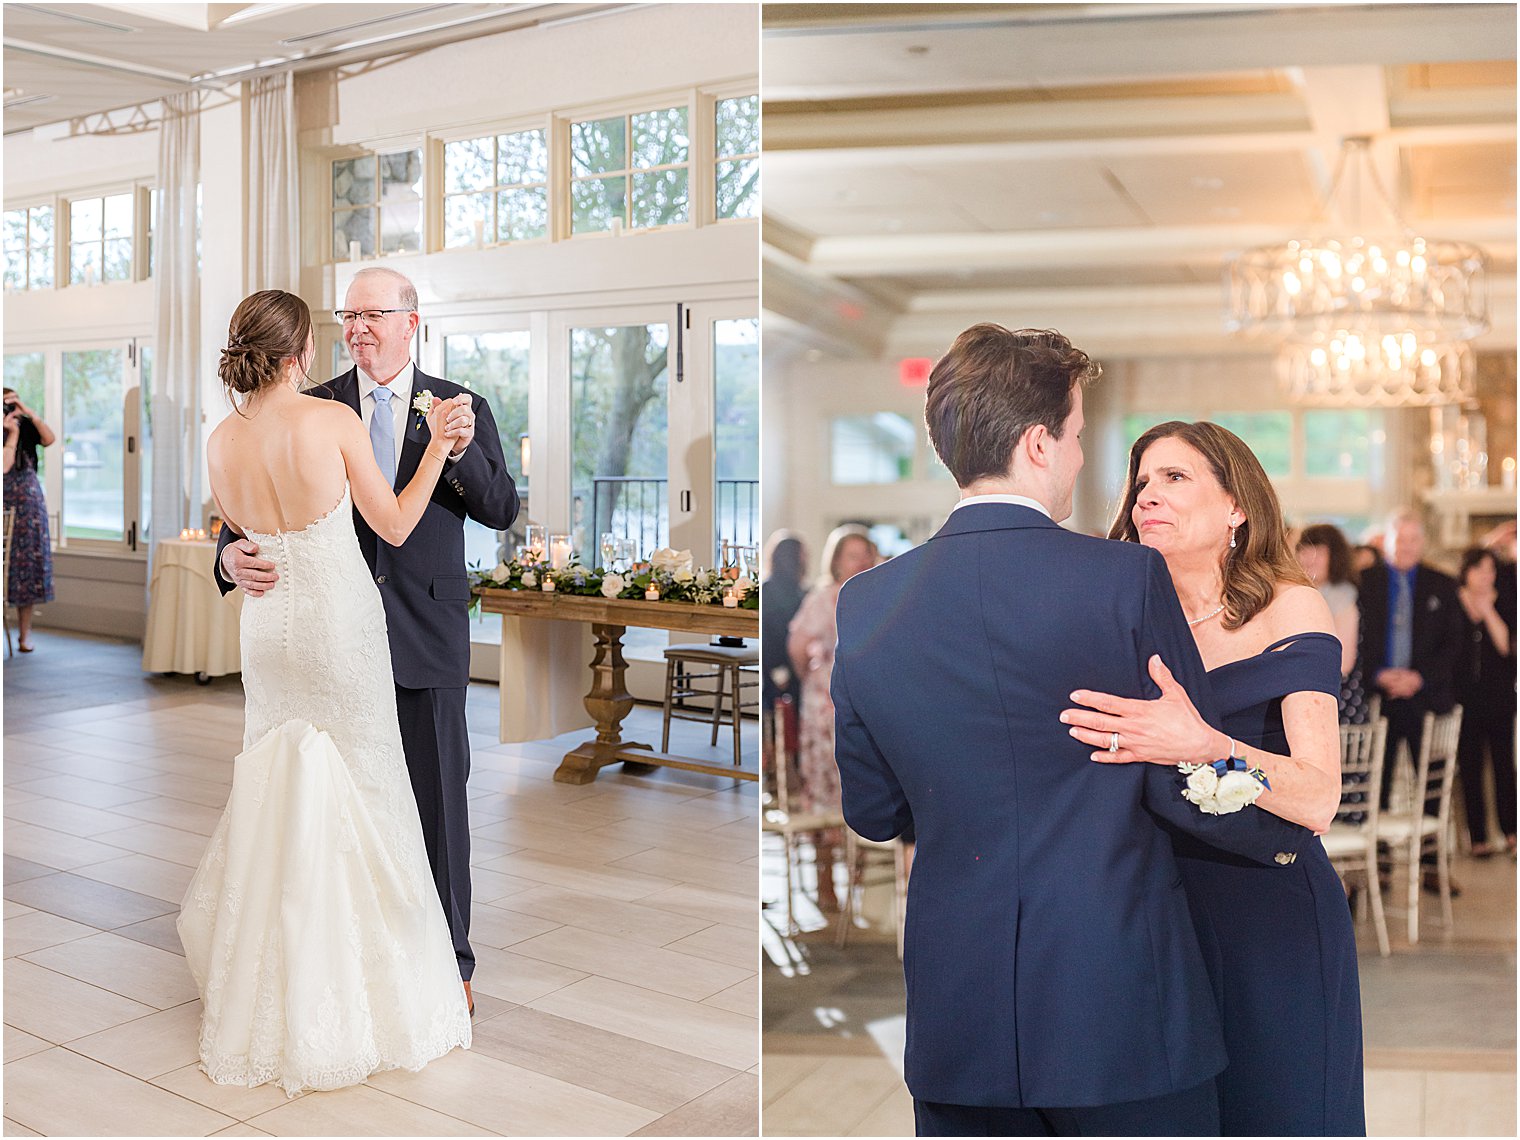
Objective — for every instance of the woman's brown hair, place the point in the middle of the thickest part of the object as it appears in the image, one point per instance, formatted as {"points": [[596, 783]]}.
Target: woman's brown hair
{"points": [[266, 328], [1261, 557], [1331, 538]]}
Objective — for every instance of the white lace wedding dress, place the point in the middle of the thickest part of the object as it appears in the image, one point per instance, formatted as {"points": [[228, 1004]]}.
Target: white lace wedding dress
{"points": [[312, 925]]}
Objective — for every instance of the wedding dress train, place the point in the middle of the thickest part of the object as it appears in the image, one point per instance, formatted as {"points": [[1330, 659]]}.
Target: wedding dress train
{"points": [[312, 925]]}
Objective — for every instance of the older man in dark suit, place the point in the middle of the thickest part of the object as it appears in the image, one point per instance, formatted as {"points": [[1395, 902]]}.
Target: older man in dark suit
{"points": [[1410, 636], [423, 582], [1055, 981]]}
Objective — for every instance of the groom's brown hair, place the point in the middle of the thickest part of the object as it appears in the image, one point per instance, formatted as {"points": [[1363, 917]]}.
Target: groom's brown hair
{"points": [[993, 386]]}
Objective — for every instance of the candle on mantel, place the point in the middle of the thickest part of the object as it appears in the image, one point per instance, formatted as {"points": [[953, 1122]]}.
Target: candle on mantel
{"points": [[548, 586], [730, 599], [559, 551], [652, 594], [184, 534], [200, 536], [1509, 472]]}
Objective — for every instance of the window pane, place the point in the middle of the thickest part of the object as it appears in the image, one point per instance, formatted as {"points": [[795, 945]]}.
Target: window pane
{"points": [[41, 227], [84, 264], [739, 188], [736, 431], [659, 199], [1268, 434], [872, 449], [496, 366], [92, 444], [523, 214], [15, 270], [400, 176], [619, 421], [353, 225], [660, 137], [597, 145], [595, 203], [118, 259], [24, 372], [118, 215], [467, 165], [41, 262], [15, 230], [401, 226], [524, 157], [354, 181], [738, 122], [84, 220], [1337, 444], [460, 214]]}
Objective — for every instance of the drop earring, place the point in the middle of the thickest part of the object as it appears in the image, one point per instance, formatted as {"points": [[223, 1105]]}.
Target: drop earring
{"points": [[1232, 537]]}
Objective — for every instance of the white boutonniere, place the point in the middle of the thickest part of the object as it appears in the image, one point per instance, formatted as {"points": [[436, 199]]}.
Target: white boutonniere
{"points": [[422, 402], [1223, 787]]}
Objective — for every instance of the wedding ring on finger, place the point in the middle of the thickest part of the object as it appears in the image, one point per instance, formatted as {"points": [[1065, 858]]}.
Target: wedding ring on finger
{"points": [[1113, 742]]}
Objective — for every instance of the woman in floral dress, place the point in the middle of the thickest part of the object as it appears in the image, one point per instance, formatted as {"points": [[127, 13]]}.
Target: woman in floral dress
{"points": [[31, 577]]}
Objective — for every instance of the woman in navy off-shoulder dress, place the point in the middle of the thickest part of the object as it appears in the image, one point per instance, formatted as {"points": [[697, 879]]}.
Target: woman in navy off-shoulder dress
{"points": [[1277, 940]]}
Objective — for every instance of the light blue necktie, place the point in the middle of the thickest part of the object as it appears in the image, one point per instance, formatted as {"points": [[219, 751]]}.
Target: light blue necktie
{"points": [[1403, 624], [382, 435]]}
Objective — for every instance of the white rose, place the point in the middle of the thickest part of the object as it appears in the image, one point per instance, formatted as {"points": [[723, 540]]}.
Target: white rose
{"points": [[704, 578], [1236, 790], [612, 585], [664, 559], [501, 573], [1203, 783], [683, 575], [529, 579], [423, 401]]}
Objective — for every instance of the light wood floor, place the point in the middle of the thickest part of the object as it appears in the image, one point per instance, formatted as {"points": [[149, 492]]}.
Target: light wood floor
{"points": [[614, 928]]}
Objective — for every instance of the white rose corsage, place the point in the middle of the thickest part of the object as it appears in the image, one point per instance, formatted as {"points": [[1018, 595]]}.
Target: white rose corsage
{"points": [[422, 402], [1223, 786]]}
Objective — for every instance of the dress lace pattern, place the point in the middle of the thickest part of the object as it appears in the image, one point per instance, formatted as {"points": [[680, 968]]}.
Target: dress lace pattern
{"points": [[312, 926]]}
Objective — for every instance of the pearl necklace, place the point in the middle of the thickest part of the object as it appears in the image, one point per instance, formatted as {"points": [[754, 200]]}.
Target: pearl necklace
{"points": [[1205, 617]]}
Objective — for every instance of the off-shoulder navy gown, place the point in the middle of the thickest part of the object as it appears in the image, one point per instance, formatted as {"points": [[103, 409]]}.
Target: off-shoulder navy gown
{"points": [[1278, 941]]}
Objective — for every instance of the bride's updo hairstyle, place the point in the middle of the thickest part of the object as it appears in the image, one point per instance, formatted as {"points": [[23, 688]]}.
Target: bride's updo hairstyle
{"points": [[267, 328], [1262, 556]]}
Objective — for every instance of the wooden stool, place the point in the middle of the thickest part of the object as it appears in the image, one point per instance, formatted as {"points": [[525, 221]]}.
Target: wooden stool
{"points": [[726, 666]]}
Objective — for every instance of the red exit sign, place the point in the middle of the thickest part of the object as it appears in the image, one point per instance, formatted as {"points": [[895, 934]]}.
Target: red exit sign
{"points": [[913, 371]]}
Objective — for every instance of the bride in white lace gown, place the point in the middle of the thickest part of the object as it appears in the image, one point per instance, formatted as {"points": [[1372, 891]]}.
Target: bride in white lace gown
{"points": [[312, 925]]}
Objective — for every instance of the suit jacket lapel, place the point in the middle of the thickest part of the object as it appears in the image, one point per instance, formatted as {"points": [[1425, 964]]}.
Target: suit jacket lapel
{"points": [[415, 440], [346, 389]]}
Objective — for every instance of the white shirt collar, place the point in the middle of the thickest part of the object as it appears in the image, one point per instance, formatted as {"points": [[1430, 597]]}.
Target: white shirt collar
{"points": [[1017, 500], [401, 386]]}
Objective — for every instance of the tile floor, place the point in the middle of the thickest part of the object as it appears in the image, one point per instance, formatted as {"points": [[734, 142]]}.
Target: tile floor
{"points": [[614, 926], [1438, 1020]]}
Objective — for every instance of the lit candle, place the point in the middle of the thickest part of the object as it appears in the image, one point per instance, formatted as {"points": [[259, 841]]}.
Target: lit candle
{"points": [[730, 599], [200, 535], [1509, 472], [184, 534], [548, 586], [652, 594], [353, 251], [559, 551]]}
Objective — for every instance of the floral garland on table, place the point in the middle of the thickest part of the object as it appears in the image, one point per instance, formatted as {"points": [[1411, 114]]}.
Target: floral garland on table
{"points": [[669, 572]]}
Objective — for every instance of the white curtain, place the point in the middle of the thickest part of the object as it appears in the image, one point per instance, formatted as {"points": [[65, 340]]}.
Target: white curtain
{"points": [[273, 252], [176, 294]]}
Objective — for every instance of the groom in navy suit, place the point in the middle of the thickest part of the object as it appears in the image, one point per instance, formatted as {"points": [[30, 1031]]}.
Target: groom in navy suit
{"points": [[1055, 982], [422, 582]]}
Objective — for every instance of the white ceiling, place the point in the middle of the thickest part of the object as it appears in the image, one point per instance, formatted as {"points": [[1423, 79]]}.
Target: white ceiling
{"points": [[1089, 167], [70, 61]]}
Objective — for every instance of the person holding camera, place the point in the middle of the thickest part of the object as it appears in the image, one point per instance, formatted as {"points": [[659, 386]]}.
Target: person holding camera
{"points": [[31, 577]]}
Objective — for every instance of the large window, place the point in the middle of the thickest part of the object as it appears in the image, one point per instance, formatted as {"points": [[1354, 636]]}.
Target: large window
{"points": [[736, 431], [100, 239], [737, 174], [93, 484], [872, 448], [29, 248], [630, 169], [26, 373], [495, 365], [496, 189], [377, 204]]}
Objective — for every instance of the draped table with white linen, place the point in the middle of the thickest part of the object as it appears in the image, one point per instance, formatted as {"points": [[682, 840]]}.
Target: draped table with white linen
{"points": [[192, 628]]}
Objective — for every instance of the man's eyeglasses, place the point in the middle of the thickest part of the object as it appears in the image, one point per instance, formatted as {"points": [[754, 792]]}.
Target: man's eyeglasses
{"points": [[368, 316]]}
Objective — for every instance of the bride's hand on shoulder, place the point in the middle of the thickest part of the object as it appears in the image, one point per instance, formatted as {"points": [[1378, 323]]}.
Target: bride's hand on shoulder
{"points": [[1167, 730]]}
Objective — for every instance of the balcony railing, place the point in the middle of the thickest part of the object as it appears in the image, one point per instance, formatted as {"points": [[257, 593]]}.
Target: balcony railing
{"points": [[637, 508]]}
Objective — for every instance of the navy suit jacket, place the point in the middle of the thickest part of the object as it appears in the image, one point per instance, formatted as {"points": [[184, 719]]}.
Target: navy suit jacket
{"points": [[1050, 957], [423, 581], [1435, 640]]}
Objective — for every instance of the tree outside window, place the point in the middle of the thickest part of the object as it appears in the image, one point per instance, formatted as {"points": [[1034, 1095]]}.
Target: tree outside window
{"points": [[498, 185], [100, 239], [29, 248], [737, 174], [377, 202], [633, 169]]}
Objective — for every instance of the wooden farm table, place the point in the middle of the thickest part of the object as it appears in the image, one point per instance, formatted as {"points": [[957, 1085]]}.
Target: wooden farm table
{"points": [[609, 702]]}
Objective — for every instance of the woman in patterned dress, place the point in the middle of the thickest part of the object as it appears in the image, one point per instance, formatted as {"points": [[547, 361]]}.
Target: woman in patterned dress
{"points": [[810, 644], [31, 577]]}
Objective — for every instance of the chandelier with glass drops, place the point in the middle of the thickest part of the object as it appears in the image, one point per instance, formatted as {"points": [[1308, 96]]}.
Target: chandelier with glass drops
{"points": [[1364, 320]]}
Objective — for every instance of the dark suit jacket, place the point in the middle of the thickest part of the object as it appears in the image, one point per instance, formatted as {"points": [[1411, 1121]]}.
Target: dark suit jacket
{"points": [[423, 582], [1050, 957], [1436, 640]]}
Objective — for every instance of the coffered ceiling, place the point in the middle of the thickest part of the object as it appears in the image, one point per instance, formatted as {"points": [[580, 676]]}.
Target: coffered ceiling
{"points": [[1089, 167]]}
